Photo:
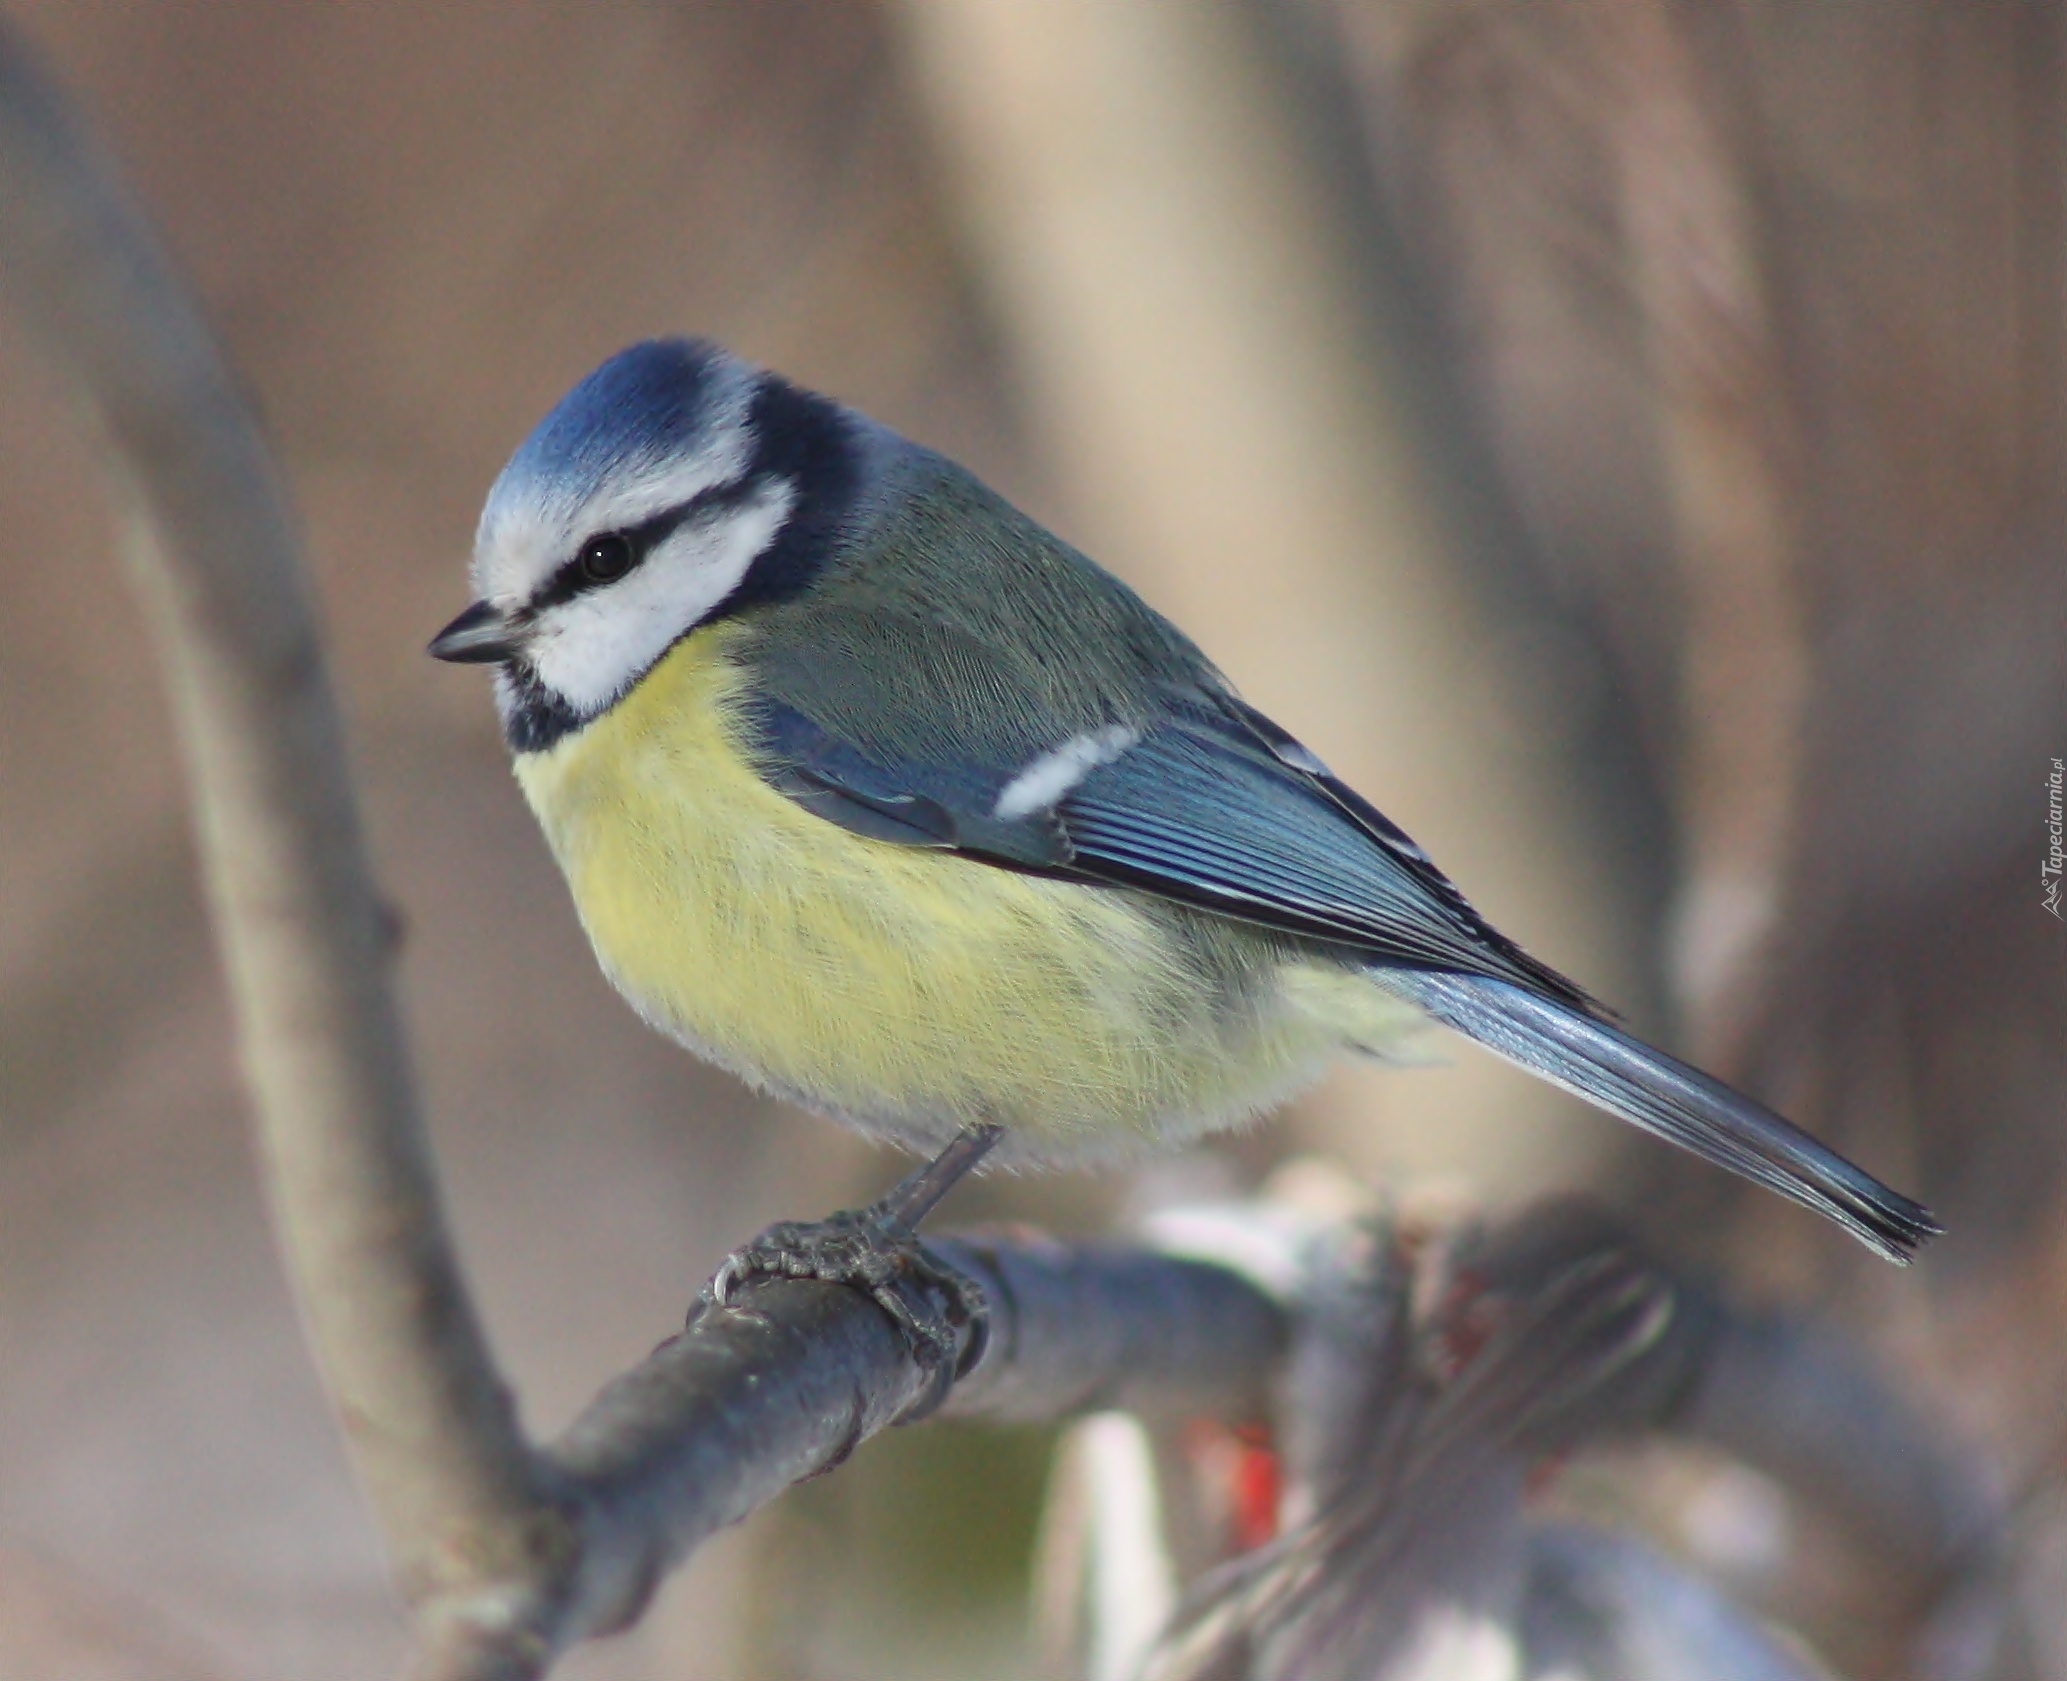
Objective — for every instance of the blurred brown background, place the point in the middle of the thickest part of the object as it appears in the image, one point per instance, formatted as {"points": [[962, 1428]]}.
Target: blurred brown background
{"points": [[1626, 438]]}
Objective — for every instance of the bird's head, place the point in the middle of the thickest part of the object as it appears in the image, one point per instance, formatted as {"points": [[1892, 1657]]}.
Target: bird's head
{"points": [[674, 485]]}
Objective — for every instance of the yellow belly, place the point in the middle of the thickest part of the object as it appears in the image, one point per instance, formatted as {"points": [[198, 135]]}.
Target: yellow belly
{"points": [[910, 991]]}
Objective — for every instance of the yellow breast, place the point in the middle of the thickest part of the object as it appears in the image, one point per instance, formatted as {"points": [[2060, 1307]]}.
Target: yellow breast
{"points": [[911, 991]]}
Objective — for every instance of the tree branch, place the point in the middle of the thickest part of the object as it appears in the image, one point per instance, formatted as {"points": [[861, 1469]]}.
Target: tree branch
{"points": [[214, 552], [791, 1379]]}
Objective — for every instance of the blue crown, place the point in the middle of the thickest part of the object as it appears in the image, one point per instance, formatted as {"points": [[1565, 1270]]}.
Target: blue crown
{"points": [[644, 405]]}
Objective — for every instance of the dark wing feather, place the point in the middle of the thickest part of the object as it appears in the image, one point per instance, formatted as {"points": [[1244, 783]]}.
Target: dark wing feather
{"points": [[939, 804], [1219, 807]]}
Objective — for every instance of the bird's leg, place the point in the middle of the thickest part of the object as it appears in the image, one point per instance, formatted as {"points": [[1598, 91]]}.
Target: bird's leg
{"points": [[920, 1193], [876, 1250]]}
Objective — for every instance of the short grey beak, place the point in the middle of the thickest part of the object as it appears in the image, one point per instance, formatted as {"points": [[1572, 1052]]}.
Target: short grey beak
{"points": [[479, 636]]}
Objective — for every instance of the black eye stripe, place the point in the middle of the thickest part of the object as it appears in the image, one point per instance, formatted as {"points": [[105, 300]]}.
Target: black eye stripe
{"points": [[572, 579]]}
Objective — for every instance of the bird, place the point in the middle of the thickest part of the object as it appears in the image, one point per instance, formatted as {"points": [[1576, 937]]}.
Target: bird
{"points": [[873, 790]]}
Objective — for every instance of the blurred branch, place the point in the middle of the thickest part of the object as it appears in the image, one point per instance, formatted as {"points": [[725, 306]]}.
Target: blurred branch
{"points": [[1787, 1397], [1433, 1384], [1452, 1376], [1724, 411], [214, 552]]}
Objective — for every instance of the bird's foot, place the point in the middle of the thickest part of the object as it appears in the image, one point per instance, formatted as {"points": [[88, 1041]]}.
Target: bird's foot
{"points": [[941, 1312]]}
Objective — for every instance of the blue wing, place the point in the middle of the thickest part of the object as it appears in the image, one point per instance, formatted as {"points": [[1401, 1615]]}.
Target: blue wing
{"points": [[1215, 806], [1219, 807]]}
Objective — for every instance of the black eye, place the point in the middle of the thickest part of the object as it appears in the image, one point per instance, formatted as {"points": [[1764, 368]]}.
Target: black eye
{"points": [[607, 557]]}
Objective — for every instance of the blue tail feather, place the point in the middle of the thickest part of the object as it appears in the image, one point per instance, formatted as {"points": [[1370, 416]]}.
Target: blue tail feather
{"points": [[1597, 1061]]}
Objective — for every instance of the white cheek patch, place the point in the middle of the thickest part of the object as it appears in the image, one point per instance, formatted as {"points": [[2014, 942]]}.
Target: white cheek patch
{"points": [[1050, 777], [591, 649]]}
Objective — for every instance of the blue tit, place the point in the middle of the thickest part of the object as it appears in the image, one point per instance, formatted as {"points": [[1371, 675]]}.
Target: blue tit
{"points": [[875, 792]]}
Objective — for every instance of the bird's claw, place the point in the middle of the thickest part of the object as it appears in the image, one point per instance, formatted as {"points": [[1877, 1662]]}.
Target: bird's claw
{"points": [[932, 1304]]}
